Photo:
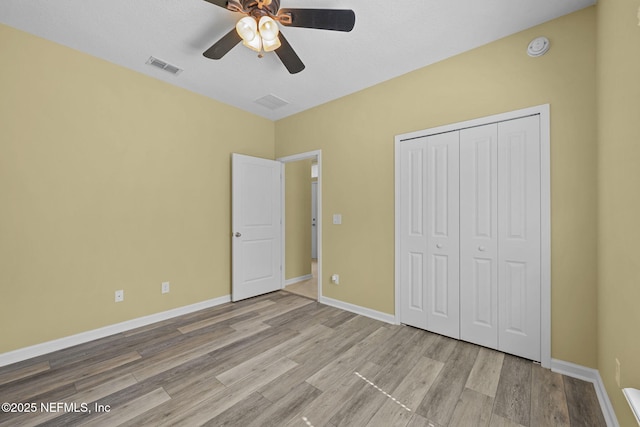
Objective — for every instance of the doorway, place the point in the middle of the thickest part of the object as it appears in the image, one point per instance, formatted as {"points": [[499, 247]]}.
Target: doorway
{"points": [[302, 224]]}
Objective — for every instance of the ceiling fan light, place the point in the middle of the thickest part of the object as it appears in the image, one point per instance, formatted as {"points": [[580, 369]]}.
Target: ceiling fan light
{"points": [[271, 45], [247, 28], [255, 44], [268, 28]]}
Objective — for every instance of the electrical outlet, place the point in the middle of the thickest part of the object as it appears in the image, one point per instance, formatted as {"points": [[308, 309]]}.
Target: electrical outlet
{"points": [[119, 296], [335, 278], [165, 287], [617, 372]]}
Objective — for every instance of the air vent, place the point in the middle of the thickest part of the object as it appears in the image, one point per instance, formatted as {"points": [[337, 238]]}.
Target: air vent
{"points": [[164, 66], [272, 102]]}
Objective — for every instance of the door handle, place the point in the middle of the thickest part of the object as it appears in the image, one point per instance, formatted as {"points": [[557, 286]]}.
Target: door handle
{"points": [[238, 234], [439, 246], [481, 248]]}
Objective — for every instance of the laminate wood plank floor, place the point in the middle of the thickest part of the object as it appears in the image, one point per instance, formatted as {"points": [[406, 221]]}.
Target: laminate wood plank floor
{"points": [[307, 288], [284, 360]]}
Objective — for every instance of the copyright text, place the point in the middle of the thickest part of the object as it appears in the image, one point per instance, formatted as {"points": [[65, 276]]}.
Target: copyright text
{"points": [[54, 407]]}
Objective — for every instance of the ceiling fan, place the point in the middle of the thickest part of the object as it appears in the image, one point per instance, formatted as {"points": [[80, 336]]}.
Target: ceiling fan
{"points": [[259, 29]]}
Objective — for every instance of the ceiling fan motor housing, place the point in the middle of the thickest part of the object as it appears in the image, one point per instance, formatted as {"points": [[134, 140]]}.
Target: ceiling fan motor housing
{"points": [[261, 7]]}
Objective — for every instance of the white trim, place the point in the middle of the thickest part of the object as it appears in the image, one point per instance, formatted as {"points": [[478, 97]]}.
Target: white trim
{"points": [[367, 312], [593, 376], [633, 397], [545, 209], [83, 337], [545, 235], [298, 279], [283, 222], [398, 230], [481, 121], [317, 156]]}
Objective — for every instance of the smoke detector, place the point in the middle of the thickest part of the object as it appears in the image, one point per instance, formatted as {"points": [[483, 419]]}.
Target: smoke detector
{"points": [[538, 47]]}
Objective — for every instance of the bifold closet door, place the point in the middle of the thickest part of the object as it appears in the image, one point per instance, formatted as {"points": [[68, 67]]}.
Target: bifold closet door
{"points": [[479, 235], [471, 235], [500, 236], [519, 279], [429, 267]]}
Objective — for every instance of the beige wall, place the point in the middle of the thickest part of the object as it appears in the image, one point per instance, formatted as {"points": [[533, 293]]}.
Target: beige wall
{"points": [[108, 180], [298, 218], [619, 167], [108, 187], [356, 135]]}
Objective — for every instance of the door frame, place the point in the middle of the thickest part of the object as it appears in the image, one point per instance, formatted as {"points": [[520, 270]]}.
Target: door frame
{"points": [[314, 229], [545, 209], [317, 156]]}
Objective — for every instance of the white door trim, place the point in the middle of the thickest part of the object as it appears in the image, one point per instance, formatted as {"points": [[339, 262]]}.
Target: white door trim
{"points": [[545, 209], [316, 155]]}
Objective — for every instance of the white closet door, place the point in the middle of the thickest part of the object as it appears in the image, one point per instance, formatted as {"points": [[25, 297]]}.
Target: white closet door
{"points": [[413, 237], [443, 234], [429, 265], [479, 235], [519, 237]]}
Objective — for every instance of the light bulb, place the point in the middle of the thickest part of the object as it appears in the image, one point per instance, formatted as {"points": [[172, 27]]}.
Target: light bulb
{"points": [[271, 45], [268, 28], [247, 28]]}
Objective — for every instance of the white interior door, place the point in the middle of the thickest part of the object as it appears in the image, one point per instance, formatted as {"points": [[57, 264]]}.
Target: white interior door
{"points": [[256, 226], [519, 278], [443, 231], [479, 235], [429, 267], [413, 233], [314, 220]]}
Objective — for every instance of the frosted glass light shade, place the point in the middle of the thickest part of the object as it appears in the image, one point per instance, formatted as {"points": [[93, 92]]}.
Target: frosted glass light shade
{"points": [[268, 28], [271, 45], [247, 28], [255, 44]]}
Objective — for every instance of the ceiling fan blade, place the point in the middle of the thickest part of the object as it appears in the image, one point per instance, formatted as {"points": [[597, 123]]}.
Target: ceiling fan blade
{"points": [[288, 56], [322, 19], [224, 45], [221, 3]]}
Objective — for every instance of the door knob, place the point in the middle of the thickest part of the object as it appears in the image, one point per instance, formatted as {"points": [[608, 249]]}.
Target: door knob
{"points": [[439, 246], [481, 248], [238, 234]]}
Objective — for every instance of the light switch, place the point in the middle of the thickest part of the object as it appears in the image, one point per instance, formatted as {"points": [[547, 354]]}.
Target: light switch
{"points": [[337, 219]]}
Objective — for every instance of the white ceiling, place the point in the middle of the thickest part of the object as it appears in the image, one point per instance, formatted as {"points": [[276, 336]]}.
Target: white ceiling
{"points": [[390, 38]]}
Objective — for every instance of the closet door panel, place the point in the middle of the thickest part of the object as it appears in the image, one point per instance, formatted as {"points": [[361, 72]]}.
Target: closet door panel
{"points": [[479, 235], [519, 237], [442, 222], [413, 295]]}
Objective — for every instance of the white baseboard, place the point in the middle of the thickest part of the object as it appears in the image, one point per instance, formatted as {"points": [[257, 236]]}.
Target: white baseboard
{"points": [[592, 376], [378, 315], [298, 279], [83, 337]]}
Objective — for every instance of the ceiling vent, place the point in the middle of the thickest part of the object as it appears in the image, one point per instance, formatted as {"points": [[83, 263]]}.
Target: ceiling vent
{"points": [[164, 66], [272, 102]]}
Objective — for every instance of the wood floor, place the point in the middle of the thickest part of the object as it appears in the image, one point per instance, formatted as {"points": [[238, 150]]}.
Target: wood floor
{"points": [[307, 288], [284, 360]]}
